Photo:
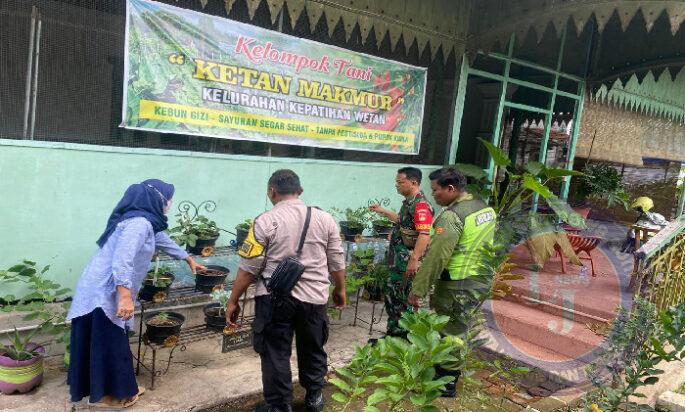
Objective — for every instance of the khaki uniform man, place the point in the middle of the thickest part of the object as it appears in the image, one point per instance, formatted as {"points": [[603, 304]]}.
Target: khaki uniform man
{"points": [[274, 236]]}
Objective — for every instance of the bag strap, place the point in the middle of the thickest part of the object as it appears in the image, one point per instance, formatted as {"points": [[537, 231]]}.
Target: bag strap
{"points": [[299, 249], [304, 230]]}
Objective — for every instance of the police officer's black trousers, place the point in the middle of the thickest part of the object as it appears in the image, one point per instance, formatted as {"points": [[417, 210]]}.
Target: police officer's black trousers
{"points": [[276, 320]]}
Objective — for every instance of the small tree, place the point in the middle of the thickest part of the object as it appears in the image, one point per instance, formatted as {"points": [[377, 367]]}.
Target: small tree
{"points": [[603, 182]]}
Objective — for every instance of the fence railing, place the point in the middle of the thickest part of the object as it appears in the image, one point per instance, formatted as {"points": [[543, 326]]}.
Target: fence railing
{"points": [[660, 267]]}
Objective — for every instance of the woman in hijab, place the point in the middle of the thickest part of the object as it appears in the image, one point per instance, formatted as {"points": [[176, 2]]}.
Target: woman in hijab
{"points": [[101, 313]]}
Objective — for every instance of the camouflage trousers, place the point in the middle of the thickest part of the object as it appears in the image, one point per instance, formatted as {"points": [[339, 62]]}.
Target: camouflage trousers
{"points": [[461, 301], [396, 292]]}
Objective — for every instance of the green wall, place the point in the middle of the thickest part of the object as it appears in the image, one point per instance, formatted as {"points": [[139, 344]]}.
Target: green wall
{"points": [[56, 197]]}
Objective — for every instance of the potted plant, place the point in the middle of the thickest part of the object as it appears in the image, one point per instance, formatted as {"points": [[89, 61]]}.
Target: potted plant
{"points": [[215, 312], [352, 222], [21, 364], [162, 326], [208, 279], [157, 281], [379, 273], [241, 231], [603, 182], [196, 231], [363, 257], [382, 226], [44, 302]]}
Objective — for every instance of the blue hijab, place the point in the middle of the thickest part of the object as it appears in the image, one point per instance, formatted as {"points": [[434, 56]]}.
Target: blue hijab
{"points": [[146, 200]]}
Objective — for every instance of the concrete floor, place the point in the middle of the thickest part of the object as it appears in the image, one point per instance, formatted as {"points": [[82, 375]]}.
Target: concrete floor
{"points": [[200, 377]]}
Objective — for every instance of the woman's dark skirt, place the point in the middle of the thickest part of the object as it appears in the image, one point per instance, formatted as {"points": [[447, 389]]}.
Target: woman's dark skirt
{"points": [[100, 359]]}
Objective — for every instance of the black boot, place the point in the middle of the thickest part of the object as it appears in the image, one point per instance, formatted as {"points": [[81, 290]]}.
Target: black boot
{"points": [[313, 401], [450, 390], [265, 407]]}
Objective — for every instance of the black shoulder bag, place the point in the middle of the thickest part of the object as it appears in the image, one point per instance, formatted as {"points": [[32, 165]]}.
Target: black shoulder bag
{"points": [[290, 269]]}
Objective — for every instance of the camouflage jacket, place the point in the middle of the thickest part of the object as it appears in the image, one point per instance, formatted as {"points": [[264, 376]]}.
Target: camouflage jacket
{"points": [[415, 214]]}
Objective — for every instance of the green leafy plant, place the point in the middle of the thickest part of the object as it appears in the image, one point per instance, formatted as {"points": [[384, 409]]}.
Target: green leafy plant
{"points": [[191, 229], [364, 272], [639, 341], [363, 257], [245, 225], [383, 221], [159, 277], [521, 186], [354, 379], [402, 370], [602, 181], [379, 274], [221, 296], [41, 303], [18, 349], [358, 218]]}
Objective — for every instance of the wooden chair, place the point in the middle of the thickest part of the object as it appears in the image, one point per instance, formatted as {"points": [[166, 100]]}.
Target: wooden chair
{"points": [[642, 235], [581, 244]]}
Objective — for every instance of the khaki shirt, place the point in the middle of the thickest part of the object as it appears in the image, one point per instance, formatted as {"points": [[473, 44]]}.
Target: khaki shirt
{"points": [[322, 253]]}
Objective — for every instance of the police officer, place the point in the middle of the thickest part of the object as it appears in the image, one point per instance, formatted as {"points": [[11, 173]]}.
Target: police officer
{"points": [[408, 243], [273, 237], [454, 255]]}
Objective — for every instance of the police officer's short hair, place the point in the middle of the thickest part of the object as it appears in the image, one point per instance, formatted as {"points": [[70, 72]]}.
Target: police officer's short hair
{"points": [[285, 182], [449, 176], [412, 173]]}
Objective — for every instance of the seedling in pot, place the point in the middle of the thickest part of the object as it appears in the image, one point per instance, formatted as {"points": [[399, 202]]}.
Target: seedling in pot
{"points": [[383, 221], [364, 257], [160, 277], [245, 225], [221, 296], [162, 319], [19, 350]]}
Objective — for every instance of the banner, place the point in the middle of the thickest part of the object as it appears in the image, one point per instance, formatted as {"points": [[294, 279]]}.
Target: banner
{"points": [[196, 74]]}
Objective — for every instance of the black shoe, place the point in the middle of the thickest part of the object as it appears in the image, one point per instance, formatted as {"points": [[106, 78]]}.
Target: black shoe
{"points": [[313, 401], [265, 407], [450, 390]]}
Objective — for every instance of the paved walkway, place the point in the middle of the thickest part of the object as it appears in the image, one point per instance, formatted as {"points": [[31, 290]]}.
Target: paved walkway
{"points": [[199, 378]]}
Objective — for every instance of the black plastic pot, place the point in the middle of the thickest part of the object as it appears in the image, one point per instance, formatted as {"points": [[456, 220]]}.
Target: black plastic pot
{"points": [[241, 235], [350, 232], [382, 230], [215, 319], [205, 281], [159, 333], [149, 290], [201, 244], [373, 292]]}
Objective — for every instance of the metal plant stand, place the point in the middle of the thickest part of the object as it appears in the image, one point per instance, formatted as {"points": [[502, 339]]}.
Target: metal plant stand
{"points": [[373, 320], [232, 338]]}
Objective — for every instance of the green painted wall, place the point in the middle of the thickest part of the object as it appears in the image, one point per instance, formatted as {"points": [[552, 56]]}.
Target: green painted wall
{"points": [[56, 197]]}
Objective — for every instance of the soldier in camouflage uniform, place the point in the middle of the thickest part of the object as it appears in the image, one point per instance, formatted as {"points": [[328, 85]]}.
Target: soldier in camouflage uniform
{"points": [[453, 260], [408, 243]]}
